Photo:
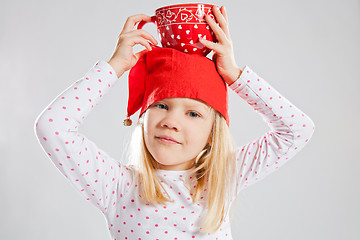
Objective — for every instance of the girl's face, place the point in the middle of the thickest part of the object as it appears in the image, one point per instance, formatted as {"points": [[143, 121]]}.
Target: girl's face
{"points": [[186, 121]]}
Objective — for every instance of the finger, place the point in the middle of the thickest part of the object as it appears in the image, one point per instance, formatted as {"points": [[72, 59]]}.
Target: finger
{"points": [[211, 45], [140, 33], [139, 54], [146, 35], [138, 40], [145, 43], [221, 19], [219, 33], [223, 11], [133, 20]]}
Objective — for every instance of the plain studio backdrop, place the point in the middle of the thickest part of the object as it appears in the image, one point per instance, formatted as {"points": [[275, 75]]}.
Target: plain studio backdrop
{"points": [[307, 50]]}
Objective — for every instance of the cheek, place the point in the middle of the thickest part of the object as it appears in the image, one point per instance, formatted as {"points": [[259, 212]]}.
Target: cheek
{"points": [[207, 132], [199, 135], [147, 122], [150, 121], [147, 129]]}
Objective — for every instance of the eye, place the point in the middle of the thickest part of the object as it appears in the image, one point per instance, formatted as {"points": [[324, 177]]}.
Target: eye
{"points": [[160, 106], [194, 114]]}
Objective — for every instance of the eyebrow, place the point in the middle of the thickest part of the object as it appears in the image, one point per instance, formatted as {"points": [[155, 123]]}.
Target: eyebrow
{"points": [[204, 107], [191, 104]]}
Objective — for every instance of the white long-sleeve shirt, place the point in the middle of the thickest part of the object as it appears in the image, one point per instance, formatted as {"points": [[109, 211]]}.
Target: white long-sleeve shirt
{"points": [[110, 185]]}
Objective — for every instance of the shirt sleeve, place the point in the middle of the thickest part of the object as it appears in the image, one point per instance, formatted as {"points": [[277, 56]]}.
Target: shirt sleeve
{"points": [[96, 175], [290, 130]]}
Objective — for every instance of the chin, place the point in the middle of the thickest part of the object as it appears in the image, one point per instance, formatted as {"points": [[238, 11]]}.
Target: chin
{"points": [[167, 163]]}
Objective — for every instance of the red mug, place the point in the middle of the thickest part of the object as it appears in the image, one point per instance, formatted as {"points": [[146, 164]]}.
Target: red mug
{"points": [[180, 27]]}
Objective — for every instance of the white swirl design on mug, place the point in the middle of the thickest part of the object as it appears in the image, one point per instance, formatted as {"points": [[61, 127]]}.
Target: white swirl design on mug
{"points": [[167, 17]]}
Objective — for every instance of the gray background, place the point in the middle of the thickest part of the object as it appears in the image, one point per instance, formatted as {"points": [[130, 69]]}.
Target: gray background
{"points": [[307, 50]]}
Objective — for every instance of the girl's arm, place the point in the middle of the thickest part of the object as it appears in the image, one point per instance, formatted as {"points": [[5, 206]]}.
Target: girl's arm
{"points": [[97, 176], [291, 129]]}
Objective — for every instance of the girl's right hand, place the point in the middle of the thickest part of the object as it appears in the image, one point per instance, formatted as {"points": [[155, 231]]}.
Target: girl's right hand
{"points": [[123, 57]]}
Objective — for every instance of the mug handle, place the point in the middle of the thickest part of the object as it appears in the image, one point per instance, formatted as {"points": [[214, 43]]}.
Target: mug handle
{"points": [[142, 23]]}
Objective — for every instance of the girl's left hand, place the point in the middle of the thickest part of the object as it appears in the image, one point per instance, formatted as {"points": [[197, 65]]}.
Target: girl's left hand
{"points": [[223, 50]]}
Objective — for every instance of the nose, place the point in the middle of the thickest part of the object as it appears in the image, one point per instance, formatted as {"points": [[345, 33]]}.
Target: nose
{"points": [[171, 122]]}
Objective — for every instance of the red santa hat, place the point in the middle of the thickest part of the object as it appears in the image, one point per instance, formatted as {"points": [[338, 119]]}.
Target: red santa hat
{"points": [[167, 72]]}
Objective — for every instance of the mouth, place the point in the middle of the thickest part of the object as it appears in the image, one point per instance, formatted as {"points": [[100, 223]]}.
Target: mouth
{"points": [[167, 139]]}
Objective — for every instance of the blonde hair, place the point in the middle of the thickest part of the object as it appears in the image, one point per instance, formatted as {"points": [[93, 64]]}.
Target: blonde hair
{"points": [[214, 171]]}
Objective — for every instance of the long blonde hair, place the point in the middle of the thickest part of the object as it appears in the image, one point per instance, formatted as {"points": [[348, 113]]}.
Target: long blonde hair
{"points": [[213, 168]]}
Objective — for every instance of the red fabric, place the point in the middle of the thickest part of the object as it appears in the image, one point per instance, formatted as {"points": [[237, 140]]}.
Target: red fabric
{"points": [[166, 72]]}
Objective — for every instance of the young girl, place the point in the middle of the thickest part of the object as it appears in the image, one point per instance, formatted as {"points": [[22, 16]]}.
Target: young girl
{"points": [[184, 173]]}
